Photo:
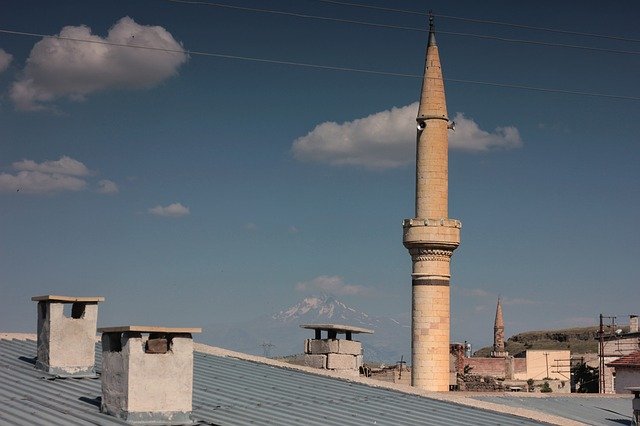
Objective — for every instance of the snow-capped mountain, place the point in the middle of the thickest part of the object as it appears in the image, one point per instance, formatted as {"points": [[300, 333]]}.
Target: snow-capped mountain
{"points": [[325, 308], [389, 341]]}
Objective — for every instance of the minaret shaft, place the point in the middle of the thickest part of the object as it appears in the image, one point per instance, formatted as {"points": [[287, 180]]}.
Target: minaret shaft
{"points": [[431, 237]]}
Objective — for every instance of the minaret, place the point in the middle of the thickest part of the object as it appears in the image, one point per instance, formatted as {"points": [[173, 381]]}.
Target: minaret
{"points": [[431, 237], [498, 334]]}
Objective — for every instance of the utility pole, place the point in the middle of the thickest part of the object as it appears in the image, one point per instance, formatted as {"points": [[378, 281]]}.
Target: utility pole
{"points": [[546, 360], [601, 366], [400, 364]]}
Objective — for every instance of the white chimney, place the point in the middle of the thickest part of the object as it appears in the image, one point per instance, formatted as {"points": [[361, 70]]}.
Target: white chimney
{"points": [[66, 342], [633, 323], [147, 374]]}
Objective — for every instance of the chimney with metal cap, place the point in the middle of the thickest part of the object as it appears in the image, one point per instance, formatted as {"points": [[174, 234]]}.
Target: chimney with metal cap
{"points": [[147, 374], [66, 343], [340, 355]]}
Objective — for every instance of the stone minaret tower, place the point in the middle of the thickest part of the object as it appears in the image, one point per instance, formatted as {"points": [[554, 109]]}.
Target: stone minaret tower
{"points": [[431, 236], [498, 334]]}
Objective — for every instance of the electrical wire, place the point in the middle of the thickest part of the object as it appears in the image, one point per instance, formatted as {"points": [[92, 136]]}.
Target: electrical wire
{"points": [[484, 21], [294, 14], [399, 27], [320, 66]]}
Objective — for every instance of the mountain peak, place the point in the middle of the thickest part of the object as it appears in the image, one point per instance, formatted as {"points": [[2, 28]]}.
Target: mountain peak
{"points": [[323, 308]]}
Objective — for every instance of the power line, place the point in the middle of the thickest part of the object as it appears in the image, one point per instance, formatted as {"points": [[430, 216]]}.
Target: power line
{"points": [[542, 43], [294, 14], [320, 66], [399, 27], [484, 21]]}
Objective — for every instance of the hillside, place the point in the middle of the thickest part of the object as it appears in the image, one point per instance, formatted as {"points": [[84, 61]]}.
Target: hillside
{"points": [[578, 340]]}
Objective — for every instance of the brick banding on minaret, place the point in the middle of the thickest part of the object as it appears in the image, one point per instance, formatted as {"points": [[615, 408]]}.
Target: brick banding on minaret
{"points": [[431, 237]]}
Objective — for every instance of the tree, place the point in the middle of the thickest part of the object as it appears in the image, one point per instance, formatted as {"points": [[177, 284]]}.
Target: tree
{"points": [[530, 383], [585, 378], [545, 387]]}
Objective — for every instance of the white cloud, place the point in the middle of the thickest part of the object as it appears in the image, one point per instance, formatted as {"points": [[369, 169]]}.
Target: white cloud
{"points": [[5, 60], [381, 140], [64, 166], [334, 285], [47, 177], [35, 182], [106, 186], [387, 139], [468, 136], [51, 176], [250, 226], [172, 210], [58, 68]]}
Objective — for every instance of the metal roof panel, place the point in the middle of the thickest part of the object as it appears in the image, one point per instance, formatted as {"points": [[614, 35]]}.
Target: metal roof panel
{"points": [[229, 391]]}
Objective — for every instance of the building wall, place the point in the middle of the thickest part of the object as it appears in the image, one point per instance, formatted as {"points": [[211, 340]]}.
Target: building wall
{"points": [[625, 378], [519, 366], [495, 367], [546, 363]]}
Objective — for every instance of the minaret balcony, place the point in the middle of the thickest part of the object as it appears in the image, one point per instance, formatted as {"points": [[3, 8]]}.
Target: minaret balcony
{"points": [[439, 232]]}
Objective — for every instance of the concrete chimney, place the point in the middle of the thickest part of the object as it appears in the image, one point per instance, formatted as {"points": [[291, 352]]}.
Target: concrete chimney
{"points": [[147, 374], [66, 342], [633, 323], [341, 355]]}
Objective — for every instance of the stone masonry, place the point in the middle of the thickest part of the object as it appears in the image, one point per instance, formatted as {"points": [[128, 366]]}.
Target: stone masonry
{"points": [[66, 343], [341, 355], [147, 374], [431, 237]]}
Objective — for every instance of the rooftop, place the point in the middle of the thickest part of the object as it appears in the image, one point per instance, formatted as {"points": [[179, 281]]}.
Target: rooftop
{"points": [[632, 360], [67, 299], [236, 389]]}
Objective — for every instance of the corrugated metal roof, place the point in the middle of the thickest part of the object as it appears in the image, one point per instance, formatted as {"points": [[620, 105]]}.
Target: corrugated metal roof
{"points": [[230, 391], [592, 410]]}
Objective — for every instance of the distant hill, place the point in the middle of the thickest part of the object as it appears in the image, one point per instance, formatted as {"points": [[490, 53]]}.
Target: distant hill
{"points": [[578, 340]]}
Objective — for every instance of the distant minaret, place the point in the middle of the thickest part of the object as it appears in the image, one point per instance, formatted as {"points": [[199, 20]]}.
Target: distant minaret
{"points": [[431, 237], [498, 334]]}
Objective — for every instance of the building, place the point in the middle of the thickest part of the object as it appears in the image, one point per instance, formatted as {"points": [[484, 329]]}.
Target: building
{"points": [[626, 372], [536, 365], [614, 344], [431, 237]]}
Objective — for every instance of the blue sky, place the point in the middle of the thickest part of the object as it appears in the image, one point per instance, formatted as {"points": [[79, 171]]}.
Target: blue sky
{"points": [[192, 189]]}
